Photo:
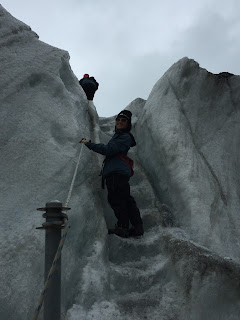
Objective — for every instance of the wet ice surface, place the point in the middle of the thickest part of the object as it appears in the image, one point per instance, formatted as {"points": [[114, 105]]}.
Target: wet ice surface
{"points": [[186, 185]]}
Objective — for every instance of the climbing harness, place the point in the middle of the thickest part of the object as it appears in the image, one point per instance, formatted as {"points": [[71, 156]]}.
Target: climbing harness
{"points": [[61, 244], [128, 161]]}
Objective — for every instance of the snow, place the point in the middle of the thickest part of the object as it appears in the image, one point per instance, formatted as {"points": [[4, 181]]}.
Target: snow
{"points": [[186, 185]]}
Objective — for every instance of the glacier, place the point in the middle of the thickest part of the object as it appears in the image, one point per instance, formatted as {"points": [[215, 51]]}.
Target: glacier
{"points": [[186, 184]]}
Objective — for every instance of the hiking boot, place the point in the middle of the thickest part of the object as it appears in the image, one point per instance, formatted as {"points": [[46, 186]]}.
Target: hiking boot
{"points": [[136, 231], [119, 231]]}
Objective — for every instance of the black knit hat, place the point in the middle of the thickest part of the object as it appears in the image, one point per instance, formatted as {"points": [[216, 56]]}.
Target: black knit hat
{"points": [[125, 114]]}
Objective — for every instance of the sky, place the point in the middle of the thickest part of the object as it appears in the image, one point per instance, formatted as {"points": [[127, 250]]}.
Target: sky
{"points": [[127, 45]]}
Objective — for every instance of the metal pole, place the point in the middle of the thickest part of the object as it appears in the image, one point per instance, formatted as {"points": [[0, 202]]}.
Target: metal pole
{"points": [[53, 226], [52, 303], [51, 294]]}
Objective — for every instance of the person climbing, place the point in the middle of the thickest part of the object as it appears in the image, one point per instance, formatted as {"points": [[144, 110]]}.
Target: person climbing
{"points": [[116, 172], [89, 85]]}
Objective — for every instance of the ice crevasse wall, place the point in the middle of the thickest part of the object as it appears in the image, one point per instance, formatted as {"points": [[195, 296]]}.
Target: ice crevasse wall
{"points": [[188, 133], [43, 116], [192, 119]]}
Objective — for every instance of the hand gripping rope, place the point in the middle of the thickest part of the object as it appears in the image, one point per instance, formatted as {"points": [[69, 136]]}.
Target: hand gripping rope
{"points": [[59, 250]]}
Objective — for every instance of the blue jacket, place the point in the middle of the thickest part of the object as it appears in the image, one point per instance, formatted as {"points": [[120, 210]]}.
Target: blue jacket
{"points": [[119, 143]]}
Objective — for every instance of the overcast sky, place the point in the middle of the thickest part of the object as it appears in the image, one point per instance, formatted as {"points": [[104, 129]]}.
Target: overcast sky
{"points": [[127, 45]]}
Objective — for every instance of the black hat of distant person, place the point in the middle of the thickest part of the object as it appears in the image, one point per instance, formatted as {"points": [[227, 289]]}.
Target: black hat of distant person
{"points": [[128, 115]]}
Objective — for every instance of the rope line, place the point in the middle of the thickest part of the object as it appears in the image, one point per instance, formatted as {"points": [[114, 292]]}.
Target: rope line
{"points": [[60, 246], [51, 272], [74, 177]]}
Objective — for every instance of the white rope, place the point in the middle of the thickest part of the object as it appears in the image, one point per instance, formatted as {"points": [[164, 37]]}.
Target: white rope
{"points": [[73, 179]]}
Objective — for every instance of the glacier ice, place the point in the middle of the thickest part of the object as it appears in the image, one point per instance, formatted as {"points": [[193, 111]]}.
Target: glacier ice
{"points": [[186, 184], [194, 132]]}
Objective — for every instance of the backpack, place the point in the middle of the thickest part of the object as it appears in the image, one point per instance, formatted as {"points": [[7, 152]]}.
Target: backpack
{"points": [[128, 161]]}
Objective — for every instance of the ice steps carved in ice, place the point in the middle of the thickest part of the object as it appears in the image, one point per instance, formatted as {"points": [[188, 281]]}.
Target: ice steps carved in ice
{"points": [[135, 264]]}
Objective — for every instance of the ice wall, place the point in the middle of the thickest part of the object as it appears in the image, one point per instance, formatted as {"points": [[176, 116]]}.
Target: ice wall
{"points": [[191, 153], [43, 117]]}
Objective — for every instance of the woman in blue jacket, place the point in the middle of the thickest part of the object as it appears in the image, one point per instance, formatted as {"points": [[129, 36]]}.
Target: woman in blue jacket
{"points": [[117, 172]]}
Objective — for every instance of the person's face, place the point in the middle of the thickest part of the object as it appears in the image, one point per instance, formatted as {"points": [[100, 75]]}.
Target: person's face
{"points": [[121, 123]]}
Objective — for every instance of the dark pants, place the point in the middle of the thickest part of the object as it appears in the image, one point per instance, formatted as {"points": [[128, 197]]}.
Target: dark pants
{"points": [[120, 200]]}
